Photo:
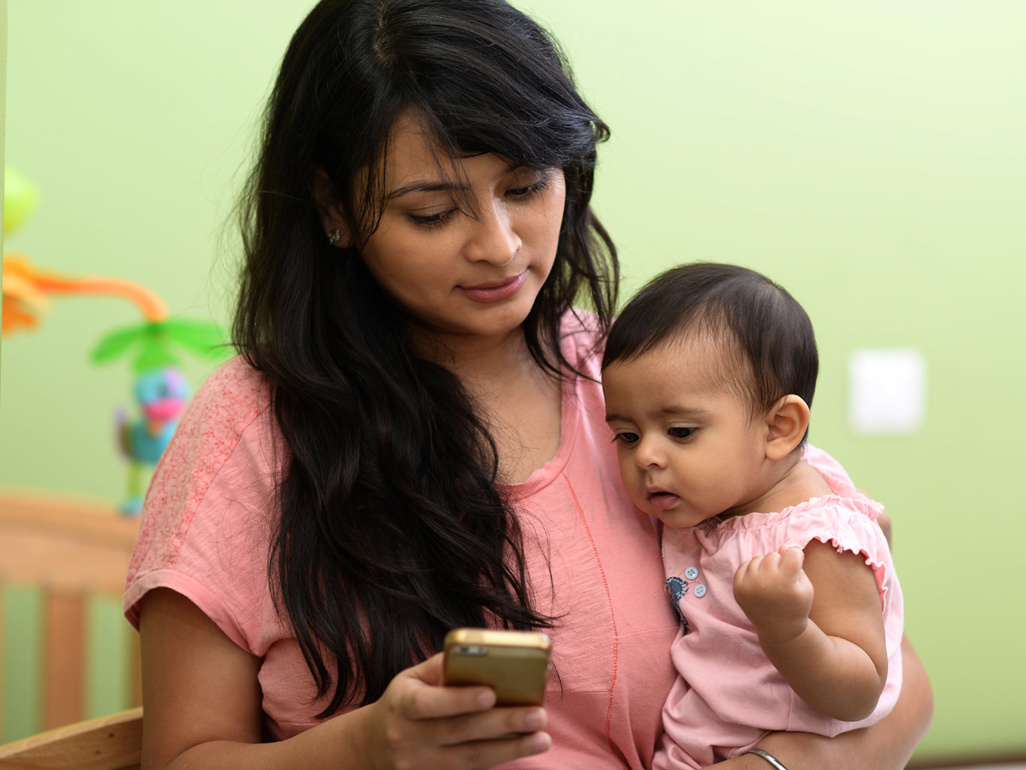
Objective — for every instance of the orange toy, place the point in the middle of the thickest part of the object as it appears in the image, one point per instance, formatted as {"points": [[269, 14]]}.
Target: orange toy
{"points": [[27, 289]]}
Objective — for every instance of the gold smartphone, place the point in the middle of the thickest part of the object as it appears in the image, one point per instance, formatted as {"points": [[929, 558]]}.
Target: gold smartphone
{"points": [[513, 663]]}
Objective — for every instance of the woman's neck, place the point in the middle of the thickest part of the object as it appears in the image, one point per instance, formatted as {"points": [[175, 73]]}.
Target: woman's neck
{"points": [[470, 356], [517, 399]]}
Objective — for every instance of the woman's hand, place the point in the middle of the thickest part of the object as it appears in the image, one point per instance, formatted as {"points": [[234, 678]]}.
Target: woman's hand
{"points": [[202, 703], [418, 723]]}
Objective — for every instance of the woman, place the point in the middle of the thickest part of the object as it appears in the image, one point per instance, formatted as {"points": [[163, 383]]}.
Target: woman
{"points": [[414, 437]]}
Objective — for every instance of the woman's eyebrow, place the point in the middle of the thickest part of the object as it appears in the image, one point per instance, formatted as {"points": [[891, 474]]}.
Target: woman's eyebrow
{"points": [[427, 186], [433, 185]]}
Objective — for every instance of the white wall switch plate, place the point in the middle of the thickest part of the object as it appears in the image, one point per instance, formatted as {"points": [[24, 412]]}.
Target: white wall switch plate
{"points": [[887, 391]]}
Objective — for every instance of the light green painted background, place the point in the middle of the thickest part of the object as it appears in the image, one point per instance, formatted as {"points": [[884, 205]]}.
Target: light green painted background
{"points": [[871, 156]]}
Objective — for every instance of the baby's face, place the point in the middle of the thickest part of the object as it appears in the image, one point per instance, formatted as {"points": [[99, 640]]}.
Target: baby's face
{"points": [[688, 446]]}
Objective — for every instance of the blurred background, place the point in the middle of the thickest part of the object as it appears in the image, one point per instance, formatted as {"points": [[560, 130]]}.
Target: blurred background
{"points": [[869, 156]]}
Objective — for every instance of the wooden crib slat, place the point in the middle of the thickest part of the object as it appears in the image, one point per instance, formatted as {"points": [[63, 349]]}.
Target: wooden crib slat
{"points": [[64, 658], [71, 550]]}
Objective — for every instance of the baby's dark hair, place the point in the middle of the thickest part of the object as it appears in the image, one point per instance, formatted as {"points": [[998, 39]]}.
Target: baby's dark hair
{"points": [[772, 335]]}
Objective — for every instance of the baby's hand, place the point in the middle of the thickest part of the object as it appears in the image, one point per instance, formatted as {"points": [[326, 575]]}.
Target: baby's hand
{"points": [[775, 594]]}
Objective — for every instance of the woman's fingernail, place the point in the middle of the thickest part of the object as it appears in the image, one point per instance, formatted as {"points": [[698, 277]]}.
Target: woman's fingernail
{"points": [[535, 720], [486, 699], [541, 742]]}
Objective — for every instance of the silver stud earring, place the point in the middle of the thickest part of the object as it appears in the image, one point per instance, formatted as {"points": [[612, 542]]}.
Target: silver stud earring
{"points": [[335, 236]]}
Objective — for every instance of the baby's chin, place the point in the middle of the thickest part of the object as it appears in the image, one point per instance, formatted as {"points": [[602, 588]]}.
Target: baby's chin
{"points": [[676, 516]]}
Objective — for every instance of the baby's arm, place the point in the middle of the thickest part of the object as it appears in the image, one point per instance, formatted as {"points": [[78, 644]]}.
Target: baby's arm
{"points": [[828, 641]]}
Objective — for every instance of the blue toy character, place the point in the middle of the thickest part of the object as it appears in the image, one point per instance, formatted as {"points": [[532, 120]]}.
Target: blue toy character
{"points": [[161, 395]]}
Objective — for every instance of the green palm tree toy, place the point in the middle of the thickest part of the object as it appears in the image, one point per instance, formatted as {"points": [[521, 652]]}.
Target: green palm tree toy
{"points": [[161, 389]]}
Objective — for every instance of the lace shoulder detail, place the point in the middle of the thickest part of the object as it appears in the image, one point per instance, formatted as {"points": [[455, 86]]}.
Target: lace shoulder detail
{"points": [[222, 411]]}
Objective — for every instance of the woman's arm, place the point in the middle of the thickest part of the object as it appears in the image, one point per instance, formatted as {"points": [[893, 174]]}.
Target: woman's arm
{"points": [[886, 745], [202, 699]]}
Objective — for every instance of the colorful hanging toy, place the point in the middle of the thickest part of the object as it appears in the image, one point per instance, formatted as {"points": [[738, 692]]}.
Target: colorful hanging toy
{"points": [[161, 390]]}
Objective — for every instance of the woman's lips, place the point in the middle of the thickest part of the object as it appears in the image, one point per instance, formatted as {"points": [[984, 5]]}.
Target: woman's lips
{"points": [[495, 291]]}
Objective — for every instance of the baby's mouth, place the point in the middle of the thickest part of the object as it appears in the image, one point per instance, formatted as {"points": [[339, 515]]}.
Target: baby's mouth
{"points": [[660, 499]]}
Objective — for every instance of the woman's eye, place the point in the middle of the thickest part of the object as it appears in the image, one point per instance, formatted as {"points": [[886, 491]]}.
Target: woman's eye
{"points": [[540, 183], [681, 433], [432, 220]]}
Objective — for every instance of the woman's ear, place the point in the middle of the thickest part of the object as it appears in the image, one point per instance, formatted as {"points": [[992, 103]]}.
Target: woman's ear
{"points": [[328, 207], [786, 423]]}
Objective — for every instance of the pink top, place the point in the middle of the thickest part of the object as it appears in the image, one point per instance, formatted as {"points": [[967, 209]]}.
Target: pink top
{"points": [[728, 695], [593, 560]]}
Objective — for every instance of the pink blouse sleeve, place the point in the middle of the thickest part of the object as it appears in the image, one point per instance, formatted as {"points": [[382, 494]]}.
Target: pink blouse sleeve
{"points": [[207, 519]]}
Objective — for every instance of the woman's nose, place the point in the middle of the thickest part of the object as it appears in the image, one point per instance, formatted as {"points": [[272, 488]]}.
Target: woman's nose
{"points": [[494, 236]]}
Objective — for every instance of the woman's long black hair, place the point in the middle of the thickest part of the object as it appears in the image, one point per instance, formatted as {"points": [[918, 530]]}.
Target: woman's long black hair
{"points": [[393, 526]]}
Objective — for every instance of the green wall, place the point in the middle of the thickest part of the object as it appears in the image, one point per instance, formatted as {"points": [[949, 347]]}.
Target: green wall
{"points": [[869, 156]]}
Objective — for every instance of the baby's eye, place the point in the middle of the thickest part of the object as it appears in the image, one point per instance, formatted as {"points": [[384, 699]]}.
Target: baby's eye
{"points": [[681, 433], [626, 438]]}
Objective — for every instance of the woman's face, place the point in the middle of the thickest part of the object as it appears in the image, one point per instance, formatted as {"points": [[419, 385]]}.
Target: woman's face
{"points": [[461, 272]]}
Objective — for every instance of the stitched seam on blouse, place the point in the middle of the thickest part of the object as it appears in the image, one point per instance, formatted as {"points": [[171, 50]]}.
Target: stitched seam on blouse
{"points": [[609, 600]]}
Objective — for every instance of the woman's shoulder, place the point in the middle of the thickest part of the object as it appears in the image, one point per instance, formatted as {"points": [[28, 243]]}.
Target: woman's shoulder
{"points": [[582, 340], [230, 410], [212, 486], [235, 385], [831, 470], [232, 403]]}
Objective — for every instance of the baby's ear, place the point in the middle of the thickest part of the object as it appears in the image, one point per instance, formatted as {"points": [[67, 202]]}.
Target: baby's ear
{"points": [[326, 200], [786, 423]]}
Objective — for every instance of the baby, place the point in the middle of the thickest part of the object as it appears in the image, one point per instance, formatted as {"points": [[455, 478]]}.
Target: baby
{"points": [[790, 610]]}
